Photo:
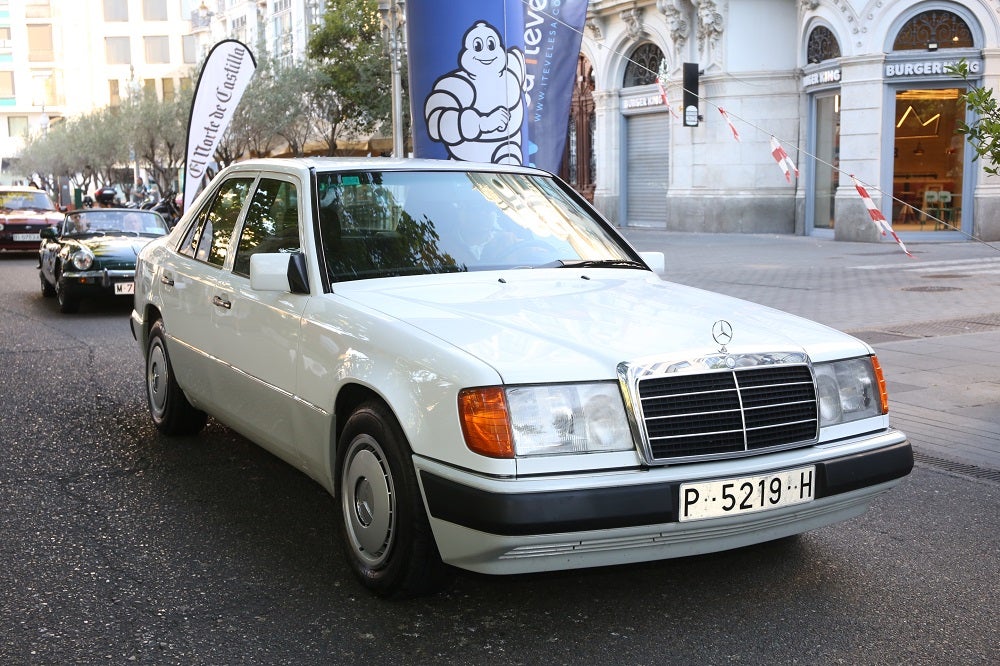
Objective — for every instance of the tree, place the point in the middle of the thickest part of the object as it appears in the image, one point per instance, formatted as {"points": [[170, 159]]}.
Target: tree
{"points": [[348, 51], [984, 132], [158, 135]]}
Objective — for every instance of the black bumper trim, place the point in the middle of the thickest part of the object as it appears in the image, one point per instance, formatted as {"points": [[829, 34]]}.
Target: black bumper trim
{"points": [[522, 514]]}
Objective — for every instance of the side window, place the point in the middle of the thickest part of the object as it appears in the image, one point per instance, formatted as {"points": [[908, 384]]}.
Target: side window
{"points": [[190, 243], [217, 229], [272, 223]]}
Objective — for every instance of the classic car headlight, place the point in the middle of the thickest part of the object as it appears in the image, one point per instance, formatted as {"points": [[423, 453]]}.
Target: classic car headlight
{"points": [[544, 420], [83, 260], [850, 390]]}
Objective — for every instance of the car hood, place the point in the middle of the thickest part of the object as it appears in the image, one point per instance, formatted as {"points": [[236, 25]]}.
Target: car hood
{"points": [[525, 323], [118, 248], [30, 217]]}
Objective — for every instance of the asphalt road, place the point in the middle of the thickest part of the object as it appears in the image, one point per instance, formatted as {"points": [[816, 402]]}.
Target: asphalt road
{"points": [[120, 546]]}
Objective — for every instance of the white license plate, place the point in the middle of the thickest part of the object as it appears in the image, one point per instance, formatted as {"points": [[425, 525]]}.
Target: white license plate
{"points": [[731, 497], [124, 288], [27, 237]]}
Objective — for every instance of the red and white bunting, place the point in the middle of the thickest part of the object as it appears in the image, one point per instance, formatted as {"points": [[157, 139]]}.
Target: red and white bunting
{"points": [[783, 160], [663, 96], [736, 134], [877, 217]]}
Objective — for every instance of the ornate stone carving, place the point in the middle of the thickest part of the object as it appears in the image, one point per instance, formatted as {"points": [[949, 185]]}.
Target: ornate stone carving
{"points": [[677, 21], [710, 27], [632, 18], [594, 27]]}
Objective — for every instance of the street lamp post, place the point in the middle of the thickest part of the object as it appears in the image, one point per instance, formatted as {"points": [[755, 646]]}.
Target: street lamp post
{"points": [[393, 21]]}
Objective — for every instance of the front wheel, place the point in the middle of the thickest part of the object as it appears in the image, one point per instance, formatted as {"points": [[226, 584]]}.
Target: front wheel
{"points": [[387, 538], [68, 303], [172, 413], [48, 291]]}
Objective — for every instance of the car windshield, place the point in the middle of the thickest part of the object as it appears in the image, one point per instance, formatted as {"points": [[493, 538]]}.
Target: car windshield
{"points": [[381, 224], [26, 201], [105, 222]]}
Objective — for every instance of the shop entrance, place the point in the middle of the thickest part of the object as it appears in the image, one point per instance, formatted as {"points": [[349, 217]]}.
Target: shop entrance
{"points": [[928, 160], [827, 151]]}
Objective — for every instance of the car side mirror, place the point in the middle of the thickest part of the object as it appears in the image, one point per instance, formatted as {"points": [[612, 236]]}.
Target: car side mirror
{"points": [[279, 271], [655, 260], [49, 232]]}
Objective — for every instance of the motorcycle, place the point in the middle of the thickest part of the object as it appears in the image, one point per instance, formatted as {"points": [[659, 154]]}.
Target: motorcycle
{"points": [[167, 207]]}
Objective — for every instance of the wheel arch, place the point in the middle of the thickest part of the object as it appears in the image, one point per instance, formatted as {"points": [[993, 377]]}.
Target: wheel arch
{"points": [[349, 398], [150, 314]]}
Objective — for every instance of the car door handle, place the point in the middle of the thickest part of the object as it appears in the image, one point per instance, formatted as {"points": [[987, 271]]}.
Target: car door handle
{"points": [[167, 280], [221, 302]]}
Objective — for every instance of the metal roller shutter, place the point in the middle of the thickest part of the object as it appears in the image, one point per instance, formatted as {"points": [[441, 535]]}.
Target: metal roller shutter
{"points": [[646, 170]]}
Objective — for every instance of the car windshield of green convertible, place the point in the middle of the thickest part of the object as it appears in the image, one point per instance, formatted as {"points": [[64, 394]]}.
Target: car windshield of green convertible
{"points": [[104, 222], [381, 224]]}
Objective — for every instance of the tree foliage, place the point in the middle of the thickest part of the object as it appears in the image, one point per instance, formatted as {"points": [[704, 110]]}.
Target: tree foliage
{"points": [[339, 94], [348, 50], [983, 133]]}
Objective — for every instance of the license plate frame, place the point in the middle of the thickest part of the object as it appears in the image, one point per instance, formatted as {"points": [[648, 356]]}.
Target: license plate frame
{"points": [[27, 238], [718, 498], [124, 288]]}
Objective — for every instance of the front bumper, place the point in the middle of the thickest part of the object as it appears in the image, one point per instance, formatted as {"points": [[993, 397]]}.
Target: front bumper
{"points": [[525, 525], [93, 283]]}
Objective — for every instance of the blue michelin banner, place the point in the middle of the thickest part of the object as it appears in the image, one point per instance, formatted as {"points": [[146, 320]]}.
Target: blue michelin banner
{"points": [[490, 81]]}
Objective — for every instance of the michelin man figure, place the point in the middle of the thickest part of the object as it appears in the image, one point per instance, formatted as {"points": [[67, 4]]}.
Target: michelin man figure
{"points": [[476, 110]]}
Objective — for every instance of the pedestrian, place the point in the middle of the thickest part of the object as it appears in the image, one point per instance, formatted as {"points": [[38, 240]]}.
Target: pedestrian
{"points": [[139, 192]]}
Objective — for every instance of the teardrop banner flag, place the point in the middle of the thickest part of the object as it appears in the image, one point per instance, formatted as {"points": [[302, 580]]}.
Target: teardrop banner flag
{"points": [[492, 80], [223, 80], [467, 79]]}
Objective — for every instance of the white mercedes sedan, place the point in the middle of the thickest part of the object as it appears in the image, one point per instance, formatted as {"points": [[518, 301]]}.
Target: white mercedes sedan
{"points": [[488, 376]]}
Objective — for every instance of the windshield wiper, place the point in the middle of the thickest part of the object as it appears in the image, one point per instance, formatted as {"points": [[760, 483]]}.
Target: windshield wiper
{"points": [[599, 263]]}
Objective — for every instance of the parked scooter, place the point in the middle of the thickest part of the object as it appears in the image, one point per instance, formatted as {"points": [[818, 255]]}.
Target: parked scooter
{"points": [[167, 207]]}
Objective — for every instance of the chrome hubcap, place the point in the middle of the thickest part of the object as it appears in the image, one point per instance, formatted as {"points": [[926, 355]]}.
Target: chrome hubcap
{"points": [[368, 501]]}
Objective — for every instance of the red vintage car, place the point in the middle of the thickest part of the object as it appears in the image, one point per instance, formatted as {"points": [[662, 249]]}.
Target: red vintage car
{"points": [[24, 212]]}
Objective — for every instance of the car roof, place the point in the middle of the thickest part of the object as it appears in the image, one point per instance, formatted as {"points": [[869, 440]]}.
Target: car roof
{"points": [[373, 164], [20, 189]]}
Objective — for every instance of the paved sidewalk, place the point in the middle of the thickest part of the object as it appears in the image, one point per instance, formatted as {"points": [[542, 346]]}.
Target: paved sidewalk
{"points": [[934, 321]]}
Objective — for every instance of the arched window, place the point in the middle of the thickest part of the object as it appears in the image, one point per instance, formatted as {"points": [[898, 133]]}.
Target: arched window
{"points": [[935, 29], [643, 66], [822, 45]]}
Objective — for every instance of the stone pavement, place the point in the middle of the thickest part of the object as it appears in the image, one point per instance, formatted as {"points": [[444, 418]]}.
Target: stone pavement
{"points": [[934, 321]]}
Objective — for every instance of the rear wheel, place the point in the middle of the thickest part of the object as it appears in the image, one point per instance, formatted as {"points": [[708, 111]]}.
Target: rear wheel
{"points": [[169, 407], [387, 538]]}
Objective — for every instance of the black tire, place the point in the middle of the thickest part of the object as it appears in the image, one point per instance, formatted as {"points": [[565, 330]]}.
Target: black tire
{"points": [[386, 536], [169, 408], [68, 303], [48, 291]]}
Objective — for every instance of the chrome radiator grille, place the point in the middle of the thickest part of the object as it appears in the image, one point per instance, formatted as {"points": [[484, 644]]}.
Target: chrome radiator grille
{"points": [[730, 412]]}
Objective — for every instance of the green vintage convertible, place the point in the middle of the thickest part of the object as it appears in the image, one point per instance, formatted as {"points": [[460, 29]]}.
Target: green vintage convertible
{"points": [[92, 253]]}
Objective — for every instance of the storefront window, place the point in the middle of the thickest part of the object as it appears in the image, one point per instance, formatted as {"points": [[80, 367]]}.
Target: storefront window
{"points": [[827, 159], [928, 160]]}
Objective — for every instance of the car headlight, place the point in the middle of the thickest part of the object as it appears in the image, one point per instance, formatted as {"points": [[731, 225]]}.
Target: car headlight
{"points": [[850, 390], [544, 420], [83, 260]]}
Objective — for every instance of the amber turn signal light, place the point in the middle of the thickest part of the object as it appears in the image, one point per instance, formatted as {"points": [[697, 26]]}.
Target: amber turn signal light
{"points": [[483, 413], [880, 378]]}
